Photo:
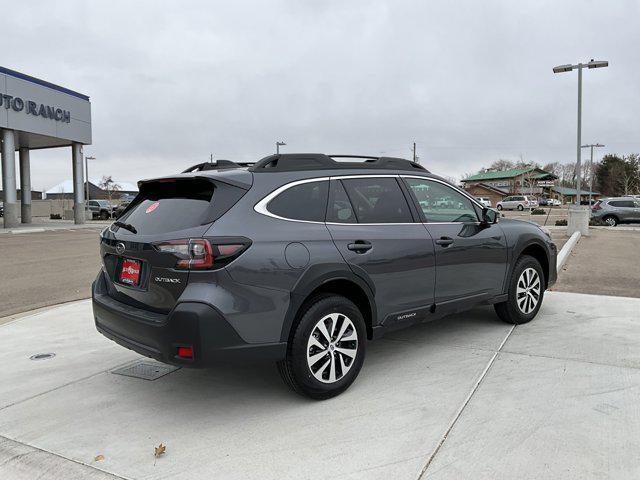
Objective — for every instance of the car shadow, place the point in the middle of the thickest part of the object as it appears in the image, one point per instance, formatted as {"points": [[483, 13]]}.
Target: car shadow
{"points": [[230, 386]]}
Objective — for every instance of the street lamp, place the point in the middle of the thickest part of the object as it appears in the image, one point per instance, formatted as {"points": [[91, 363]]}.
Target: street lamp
{"points": [[86, 177], [278, 145], [592, 146], [567, 68]]}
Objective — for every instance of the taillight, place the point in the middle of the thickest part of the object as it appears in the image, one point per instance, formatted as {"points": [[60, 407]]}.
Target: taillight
{"points": [[597, 206], [200, 253]]}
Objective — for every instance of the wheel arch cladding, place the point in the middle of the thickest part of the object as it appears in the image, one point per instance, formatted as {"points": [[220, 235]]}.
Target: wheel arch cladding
{"points": [[538, 252], [345, 284]]}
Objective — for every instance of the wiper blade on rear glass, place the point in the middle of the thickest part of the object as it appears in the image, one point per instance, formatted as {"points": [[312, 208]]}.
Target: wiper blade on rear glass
{"points": [[126, 226]]}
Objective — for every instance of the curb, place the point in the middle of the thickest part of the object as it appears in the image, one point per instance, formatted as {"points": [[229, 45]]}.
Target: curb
{"points": [[52, 228], [566, 250]]}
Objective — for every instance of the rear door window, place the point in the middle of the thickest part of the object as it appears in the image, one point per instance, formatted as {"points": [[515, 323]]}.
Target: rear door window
{"points": [[377, 200], [306, 201]]}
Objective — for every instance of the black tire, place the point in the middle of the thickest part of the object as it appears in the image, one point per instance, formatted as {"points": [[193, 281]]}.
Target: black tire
{"points": [[520, 207], [499, 207], [295, 369], [104, 215], [610, 220], [510, 311]]}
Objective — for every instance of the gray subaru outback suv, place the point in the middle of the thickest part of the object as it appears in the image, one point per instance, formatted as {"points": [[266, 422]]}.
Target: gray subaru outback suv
{"points": [[302, 258]]}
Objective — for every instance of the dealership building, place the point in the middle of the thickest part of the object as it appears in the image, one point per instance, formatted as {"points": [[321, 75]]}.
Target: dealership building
{"points": [[36, 114]]}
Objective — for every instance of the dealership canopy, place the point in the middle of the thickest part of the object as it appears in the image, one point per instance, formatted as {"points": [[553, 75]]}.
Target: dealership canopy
{"points": [[36, 114]]}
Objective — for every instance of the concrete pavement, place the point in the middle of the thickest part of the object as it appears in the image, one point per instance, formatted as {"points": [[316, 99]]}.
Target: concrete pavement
{"points": [[463, 397]]}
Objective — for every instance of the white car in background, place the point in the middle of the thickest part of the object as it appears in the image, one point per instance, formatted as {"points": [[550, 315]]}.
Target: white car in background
{"points": [[554, 202], [484, 201], [517, 202]]}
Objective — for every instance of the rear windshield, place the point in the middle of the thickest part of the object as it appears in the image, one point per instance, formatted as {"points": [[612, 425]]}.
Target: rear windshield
{"points": [[166, 206]]}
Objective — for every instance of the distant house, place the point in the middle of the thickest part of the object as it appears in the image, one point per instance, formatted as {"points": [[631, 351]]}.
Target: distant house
{"points": [[568, 195], [498, 184], [64, 190], [484, 190], [35, 195]]}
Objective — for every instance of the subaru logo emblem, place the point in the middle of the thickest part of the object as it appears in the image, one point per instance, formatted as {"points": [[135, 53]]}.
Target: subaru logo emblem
{"points": [[120, 248]]}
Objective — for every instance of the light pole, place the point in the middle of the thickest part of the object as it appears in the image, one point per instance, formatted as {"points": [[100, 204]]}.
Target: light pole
{"points": [[592, 146], [278, 145], [86, 177], [567, 68]]}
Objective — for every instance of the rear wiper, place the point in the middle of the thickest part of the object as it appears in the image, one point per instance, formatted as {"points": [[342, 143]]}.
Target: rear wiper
{"points": [[126, 226]]}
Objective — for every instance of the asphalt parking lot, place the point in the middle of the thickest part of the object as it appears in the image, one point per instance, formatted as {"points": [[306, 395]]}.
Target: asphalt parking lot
{"points": [[65, 262], [467, 397], [607, 262], [549, 219]]}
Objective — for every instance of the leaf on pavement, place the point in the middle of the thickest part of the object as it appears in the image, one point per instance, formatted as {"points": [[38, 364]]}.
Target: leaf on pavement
{"points": [[98, 458], [159, 450]]}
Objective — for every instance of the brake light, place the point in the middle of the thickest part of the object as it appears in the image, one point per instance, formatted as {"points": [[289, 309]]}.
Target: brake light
{"points": [[200, 253], [597, 206]]}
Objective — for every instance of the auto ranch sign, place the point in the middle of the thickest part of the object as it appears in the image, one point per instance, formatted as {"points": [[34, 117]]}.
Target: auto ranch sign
{"points": [[546, 183], [18, 104]]}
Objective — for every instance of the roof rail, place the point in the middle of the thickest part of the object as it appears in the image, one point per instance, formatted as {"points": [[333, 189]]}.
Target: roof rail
{"points": [[289, 162], [217, 165]]}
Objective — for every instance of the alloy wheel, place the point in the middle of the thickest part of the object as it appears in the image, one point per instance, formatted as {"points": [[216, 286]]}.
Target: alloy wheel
{"points": [[332, 347], [528, 290]]}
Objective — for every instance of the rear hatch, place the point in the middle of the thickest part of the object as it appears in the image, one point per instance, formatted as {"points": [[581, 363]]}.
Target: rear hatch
{"points": [[148, 253]]}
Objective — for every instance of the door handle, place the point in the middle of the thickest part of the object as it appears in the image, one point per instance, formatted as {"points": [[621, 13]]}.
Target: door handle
{"points": [[360, 246], [444, 241]]}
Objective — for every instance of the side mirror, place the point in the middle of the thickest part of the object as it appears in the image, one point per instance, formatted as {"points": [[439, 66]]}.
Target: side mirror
{"points": [[490, 216]]}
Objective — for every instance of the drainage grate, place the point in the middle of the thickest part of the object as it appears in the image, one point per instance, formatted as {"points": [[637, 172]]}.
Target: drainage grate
{"points": [[145, 370]]}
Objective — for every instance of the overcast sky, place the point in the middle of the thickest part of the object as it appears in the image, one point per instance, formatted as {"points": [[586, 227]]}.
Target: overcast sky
{"points": [[469, 81]]}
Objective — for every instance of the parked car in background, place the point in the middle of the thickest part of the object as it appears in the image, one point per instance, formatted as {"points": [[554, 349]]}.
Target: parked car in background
{"points": [[117, 211], [484, 201], [101, 209], [549, 202], [615, 210], [302, 259], [517, 202]]}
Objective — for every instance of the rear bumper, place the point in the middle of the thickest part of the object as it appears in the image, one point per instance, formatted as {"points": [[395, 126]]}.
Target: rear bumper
{"points": [[158, 336]]}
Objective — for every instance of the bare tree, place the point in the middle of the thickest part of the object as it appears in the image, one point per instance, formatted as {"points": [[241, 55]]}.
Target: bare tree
{"points": [[500, 165], [107, 184], [451, 180]]}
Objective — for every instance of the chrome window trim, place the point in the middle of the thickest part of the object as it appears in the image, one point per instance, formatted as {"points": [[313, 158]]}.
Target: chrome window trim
{"points": [[261, 206]]}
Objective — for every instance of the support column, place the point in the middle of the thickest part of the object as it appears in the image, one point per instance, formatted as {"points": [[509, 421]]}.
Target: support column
{"points": [[78, 184], [25, 186], [9, 179]]}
